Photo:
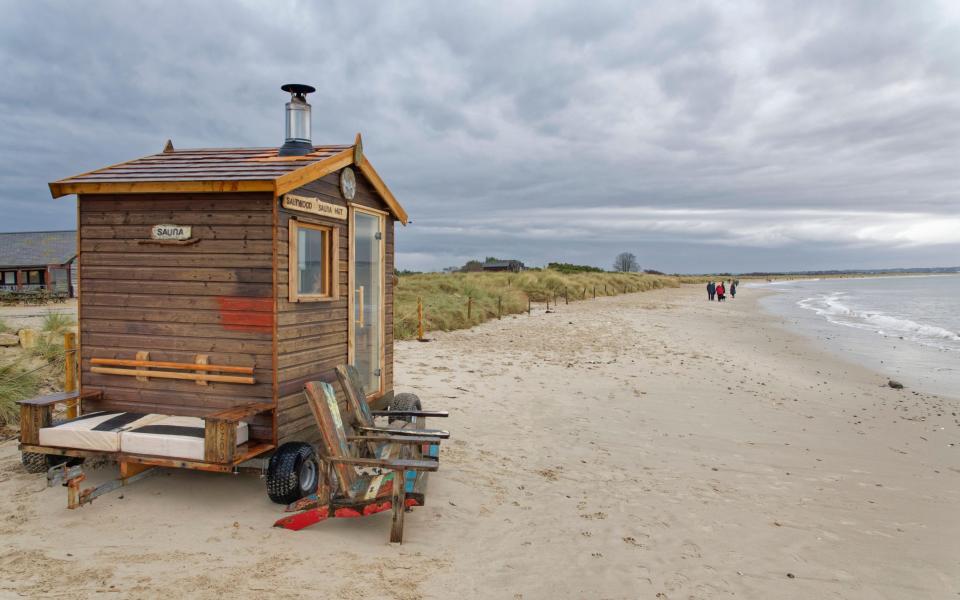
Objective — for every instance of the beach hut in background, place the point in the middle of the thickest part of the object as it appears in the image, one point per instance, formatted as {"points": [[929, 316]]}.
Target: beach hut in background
{"points": [[514, 266], [33, 261]]}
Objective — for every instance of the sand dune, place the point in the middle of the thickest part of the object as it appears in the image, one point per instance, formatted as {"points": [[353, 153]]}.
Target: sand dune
{"points": [[643, 446]]}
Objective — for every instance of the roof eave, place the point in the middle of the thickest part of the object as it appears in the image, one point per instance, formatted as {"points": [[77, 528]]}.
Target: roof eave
{"points": [[65, 188], [346, 158], [279, 185]]}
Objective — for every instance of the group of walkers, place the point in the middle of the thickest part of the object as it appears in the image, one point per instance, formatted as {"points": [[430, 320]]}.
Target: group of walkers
{"points": [[718, 291]]}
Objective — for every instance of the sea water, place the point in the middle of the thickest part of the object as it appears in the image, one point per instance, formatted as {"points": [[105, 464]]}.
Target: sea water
{"points": [[905, 327]]}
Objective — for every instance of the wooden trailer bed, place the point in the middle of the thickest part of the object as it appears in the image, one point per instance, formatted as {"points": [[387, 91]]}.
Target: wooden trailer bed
{"points": [[221, 453]]}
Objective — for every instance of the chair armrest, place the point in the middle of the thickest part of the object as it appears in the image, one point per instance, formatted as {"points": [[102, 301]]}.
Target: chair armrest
{"points": [[240, 413], [411, 413], [393, 439], [51, 399], [433, 433], [399, 464]]}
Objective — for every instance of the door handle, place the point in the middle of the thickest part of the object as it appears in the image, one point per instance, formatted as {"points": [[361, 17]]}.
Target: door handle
{"points": [[360, 316]]}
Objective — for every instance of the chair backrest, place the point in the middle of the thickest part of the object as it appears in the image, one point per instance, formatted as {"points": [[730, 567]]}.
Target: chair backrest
{"points": [[356, 397], [323, 402]]}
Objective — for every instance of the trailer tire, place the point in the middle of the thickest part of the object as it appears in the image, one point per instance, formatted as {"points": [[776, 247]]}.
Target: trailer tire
{"points": [[405, 401], [292, 473], [34, 462]]}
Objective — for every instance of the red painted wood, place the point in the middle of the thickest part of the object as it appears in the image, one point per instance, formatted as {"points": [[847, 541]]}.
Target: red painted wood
{"points": [[305, 519], [240, 313], [375, 508], [246, 303]]}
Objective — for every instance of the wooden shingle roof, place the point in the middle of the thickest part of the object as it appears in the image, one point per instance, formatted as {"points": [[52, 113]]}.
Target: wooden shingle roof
{"points": [[224, 170]]}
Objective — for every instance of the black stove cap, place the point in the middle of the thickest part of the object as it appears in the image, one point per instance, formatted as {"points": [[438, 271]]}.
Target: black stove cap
{"points": [[298, 88]]}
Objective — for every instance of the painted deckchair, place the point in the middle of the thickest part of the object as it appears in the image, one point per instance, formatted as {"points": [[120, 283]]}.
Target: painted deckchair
{"points": [[343, 490], [406, 420], [364, 417]]}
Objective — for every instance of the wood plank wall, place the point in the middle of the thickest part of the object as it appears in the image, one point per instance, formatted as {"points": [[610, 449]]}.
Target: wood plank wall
{"points": [[213, 297], [313, 335]]}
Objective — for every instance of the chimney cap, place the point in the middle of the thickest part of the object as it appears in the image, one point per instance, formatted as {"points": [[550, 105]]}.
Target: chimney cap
{"points": [[298, 88]]}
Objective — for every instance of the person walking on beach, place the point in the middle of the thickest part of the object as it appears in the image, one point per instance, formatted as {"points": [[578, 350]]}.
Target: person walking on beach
{"points": [[733, 289], [711, 290], [720, 292]]}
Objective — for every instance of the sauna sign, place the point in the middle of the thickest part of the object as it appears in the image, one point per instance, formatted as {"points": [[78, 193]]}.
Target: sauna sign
{"points": [[170, 232], [314, 205]]}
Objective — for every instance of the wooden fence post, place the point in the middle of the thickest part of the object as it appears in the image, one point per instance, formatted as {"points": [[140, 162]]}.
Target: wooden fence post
{"points": [[566, 296], [469, 307], [499, 307], [528, 306], [70, 371], [594, 292], [420, 319]]}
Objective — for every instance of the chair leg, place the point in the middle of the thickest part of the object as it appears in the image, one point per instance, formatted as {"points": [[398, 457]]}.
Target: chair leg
{"points": [[399, 502]]}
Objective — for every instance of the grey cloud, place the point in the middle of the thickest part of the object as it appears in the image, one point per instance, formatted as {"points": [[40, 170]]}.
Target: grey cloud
{"points": [[492, 122]]}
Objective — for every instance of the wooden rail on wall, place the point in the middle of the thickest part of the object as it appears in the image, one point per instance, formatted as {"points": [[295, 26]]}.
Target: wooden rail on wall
{"points": [[146, 369]]}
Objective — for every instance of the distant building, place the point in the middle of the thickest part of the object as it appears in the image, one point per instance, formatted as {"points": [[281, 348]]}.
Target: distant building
{"points": [[503, 265], [35, 260]]}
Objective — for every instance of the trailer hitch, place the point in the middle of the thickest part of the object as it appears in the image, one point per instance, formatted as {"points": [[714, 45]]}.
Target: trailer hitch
{"points": [[71, 478]]}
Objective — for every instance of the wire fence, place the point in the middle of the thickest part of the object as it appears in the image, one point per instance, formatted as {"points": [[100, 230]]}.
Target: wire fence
{"points": [[49, 363]]}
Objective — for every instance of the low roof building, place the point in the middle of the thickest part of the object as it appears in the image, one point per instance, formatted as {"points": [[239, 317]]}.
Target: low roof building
{"points": [[37, 259]]}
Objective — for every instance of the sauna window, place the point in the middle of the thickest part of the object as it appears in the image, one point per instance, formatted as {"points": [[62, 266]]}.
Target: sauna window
{"points": [[313, 270]]}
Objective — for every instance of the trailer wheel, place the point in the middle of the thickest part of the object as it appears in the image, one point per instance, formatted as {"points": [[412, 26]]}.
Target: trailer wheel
{"points": [[292, 473], [405, 401], [34, 462]]}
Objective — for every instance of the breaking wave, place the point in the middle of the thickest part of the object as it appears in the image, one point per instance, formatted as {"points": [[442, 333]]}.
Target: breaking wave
{"points": [[833, 308]]}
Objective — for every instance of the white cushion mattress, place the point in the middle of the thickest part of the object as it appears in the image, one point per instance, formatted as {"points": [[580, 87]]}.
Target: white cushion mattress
{"points": [[176, 437], [94, 431]]}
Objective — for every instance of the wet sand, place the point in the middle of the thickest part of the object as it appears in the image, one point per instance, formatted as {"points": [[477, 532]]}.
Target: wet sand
{"points": [[651, 445]]}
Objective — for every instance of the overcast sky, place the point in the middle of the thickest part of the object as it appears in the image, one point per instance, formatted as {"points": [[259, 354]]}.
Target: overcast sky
{"points": [[728, 136]]}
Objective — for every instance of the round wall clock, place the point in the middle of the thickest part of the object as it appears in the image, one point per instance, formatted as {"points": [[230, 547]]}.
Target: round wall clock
{"points": [[348, 183]]}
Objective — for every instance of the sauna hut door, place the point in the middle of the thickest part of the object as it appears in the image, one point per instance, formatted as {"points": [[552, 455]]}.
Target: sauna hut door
{"points": [[367, 297]]}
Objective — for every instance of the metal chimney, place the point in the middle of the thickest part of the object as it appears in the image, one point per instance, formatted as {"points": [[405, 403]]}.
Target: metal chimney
{"points": [[297, 141]]}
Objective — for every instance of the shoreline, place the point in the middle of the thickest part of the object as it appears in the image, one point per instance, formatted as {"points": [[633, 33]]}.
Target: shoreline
{"points": [[651, 443], [920, 364]]}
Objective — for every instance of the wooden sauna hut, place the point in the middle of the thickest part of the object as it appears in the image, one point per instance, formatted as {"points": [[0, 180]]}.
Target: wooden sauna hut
{"points": [[213, 284]]}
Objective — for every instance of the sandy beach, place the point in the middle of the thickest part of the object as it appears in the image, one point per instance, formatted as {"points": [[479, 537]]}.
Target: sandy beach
{"points": [[649, 445]]}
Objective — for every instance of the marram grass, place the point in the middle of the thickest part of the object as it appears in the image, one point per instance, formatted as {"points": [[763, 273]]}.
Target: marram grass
{"points": [[15, 384], [445, 294]]}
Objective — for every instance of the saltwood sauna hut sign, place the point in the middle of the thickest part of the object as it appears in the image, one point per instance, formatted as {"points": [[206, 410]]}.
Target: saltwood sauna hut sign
{"points": [[283, 279], [315, 205]]}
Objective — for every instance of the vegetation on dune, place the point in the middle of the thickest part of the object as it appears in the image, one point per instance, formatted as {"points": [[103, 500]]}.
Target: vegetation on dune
{"points": [[569, 268], [4, 328], [50, 350], [15, 384], [445, 296], [58, 323]]}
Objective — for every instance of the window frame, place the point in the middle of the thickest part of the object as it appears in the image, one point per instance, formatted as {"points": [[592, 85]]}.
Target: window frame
{"points": [[330, 262]]}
